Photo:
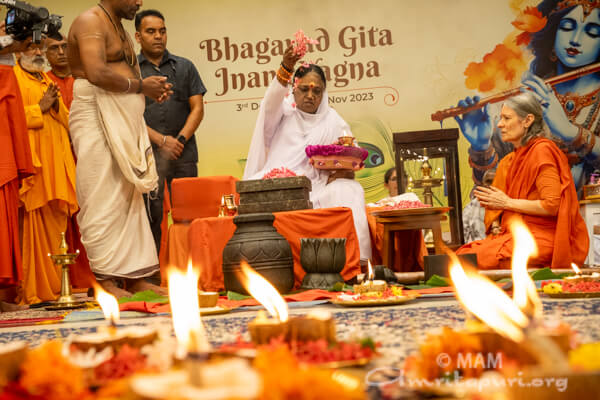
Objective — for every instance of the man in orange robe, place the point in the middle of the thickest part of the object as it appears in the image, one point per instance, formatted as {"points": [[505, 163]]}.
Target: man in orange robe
{"points": [[56, 53], [15, 165], [561, 239], [48, 197]]}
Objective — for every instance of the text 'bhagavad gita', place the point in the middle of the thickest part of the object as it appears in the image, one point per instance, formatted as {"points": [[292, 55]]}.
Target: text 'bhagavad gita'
{"points": [[351, 39]]}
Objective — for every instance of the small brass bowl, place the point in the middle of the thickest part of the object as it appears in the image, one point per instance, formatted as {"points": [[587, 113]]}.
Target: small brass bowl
{"points": [[208, 299], [346, 140]]}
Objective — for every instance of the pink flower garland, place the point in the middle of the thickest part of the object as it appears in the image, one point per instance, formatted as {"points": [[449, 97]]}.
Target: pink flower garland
{"points": [[282, 172], [300, 43], [336, 150], [403, 204]]}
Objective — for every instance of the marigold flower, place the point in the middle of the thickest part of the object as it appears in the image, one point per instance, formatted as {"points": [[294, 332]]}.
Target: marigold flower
{"points": [[45, 372]]}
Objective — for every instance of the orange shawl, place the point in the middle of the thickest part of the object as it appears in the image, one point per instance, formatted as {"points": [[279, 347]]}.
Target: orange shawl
{"points": [[516, 176]]}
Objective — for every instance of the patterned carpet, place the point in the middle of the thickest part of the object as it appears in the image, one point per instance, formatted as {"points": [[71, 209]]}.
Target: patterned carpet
{"points": [[398, 328]]}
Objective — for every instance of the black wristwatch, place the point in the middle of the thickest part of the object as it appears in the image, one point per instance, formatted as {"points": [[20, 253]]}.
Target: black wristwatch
{"points": [[181, 139]]}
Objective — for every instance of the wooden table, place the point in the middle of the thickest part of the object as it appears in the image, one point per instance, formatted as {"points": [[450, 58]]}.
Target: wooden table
{"points": [[410, 218]]}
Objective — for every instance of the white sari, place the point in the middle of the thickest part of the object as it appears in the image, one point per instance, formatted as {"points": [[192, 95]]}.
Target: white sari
{"points": [[282, 133]]}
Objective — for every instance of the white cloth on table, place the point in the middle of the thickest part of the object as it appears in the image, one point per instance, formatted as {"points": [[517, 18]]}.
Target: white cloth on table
{"points": [[115, 165], [282, 133], [390, 200]]}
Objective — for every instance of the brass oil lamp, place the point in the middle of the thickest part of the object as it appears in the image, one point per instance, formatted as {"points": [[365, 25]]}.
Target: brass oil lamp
{"points": [[427, 182], [64, 260]]}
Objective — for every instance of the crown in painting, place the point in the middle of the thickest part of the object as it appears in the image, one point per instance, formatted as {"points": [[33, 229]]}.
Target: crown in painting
{"points": [[588, 5]]}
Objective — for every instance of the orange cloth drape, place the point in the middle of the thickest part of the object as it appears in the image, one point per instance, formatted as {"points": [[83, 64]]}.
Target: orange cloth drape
{"points": [[409, 247], [193, 197], [11, 268], [200, 197], [205, 238], [164, 237], [66, 87], [15, 164], [48, 197], [562, 239]]}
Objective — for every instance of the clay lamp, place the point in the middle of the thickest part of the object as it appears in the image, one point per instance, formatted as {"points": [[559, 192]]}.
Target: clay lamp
{"points": [[515, 328], [265, 327], [521, 337], [192, 345], [318, 324], [370, 285], [580, 276], [111, 335], [512, 326], [200, 376]]}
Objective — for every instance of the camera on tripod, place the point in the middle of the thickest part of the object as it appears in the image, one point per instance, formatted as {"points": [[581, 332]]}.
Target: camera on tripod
{"points": [[24, 20]]}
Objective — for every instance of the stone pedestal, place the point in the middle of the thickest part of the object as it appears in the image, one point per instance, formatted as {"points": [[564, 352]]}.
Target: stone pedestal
{"points": [[272, 195]]}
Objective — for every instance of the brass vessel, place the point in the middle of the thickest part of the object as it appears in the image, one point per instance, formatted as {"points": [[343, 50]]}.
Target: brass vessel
{"points": [[228, 207], [427, 182], [346, 140], [64, 260]]}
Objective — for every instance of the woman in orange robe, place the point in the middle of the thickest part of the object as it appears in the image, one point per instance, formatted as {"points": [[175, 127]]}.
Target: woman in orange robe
{"points": [[534, 183]]}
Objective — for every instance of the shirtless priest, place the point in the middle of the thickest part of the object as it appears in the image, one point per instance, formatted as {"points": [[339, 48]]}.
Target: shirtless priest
{"points": [[115, 161]]}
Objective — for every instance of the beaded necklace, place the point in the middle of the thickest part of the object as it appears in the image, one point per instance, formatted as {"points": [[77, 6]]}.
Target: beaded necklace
{"points": [[124, 38]]}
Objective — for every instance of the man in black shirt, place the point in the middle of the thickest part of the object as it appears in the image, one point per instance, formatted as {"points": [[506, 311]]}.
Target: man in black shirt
{"points": [[173, 123]]}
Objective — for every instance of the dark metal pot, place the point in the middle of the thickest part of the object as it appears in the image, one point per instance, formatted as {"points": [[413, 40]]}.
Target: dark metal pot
{"points": [[258, 243]]}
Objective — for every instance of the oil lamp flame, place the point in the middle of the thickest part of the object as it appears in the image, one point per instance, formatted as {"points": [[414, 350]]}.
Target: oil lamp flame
{"points": [[263, 292], [576, 269], [525, 293], [370, 273], [488, 302], [185, 310], [108, 304]]}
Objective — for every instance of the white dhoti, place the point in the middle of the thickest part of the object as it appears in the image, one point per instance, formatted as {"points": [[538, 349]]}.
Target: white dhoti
{"points": [[115, 165]]}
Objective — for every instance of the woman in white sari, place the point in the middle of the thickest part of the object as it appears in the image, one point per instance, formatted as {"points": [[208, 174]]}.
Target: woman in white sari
{"points": [[288, 123]]}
